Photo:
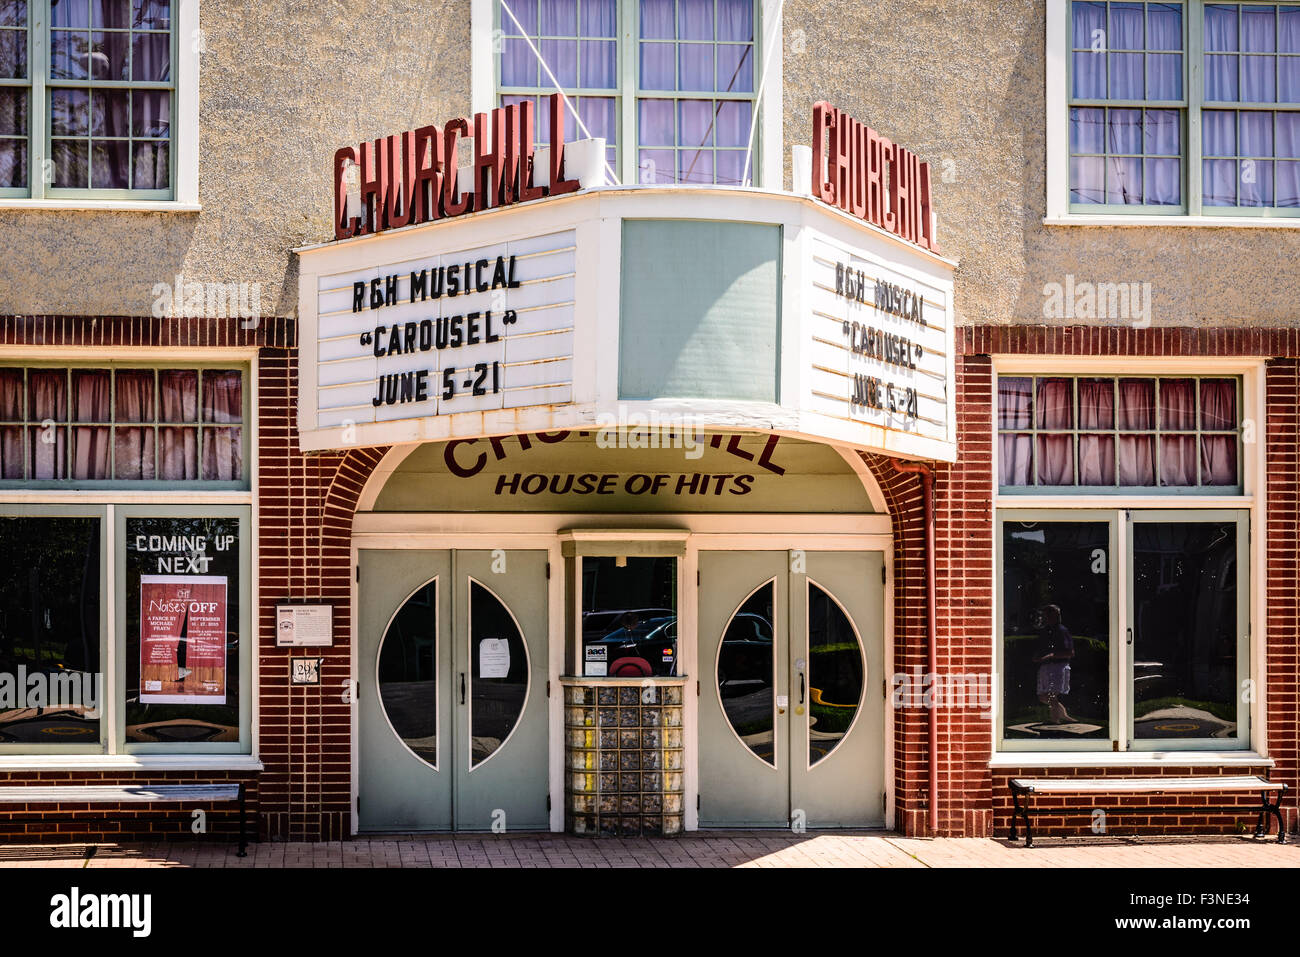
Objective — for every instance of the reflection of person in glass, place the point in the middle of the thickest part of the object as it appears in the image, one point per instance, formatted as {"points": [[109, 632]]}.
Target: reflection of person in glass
{"points": [[1054, 651]]}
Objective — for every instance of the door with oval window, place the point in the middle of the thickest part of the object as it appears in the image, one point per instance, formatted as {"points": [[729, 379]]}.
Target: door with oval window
{"points": [[791, 655], [452, 666]]}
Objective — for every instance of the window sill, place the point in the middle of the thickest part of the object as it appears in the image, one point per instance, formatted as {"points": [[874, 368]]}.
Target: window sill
{"points": [[1128, 759], [1253, 222], [129, 762], [107, 205]]}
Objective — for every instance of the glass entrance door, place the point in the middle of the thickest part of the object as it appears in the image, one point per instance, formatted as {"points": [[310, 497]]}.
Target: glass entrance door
{"points": [[790, 643], [452, 674]]}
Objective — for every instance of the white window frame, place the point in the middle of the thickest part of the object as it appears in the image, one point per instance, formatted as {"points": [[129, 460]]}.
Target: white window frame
{"points": [[188, 40], [767, 159], [1057, 64], [1253, 500], [133, 757]]}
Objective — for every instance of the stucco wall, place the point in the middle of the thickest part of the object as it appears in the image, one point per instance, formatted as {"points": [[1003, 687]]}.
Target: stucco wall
{"points": [[283, 84], [964, 82]]}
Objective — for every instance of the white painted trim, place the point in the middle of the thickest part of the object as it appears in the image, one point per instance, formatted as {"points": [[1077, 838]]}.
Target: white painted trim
{"points": [[129, 762], [415, 530], [1125, 365], [1210, 222], [109, 708], [771, 152], [379, 476], [254, 555], [110, 205], [188, 44], [120, 496], [482, 71], [147, 354], [1057, 50], [1128, 759]]}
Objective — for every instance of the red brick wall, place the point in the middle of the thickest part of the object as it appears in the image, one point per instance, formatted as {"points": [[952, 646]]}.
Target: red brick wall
{"points": [[306, 504]]}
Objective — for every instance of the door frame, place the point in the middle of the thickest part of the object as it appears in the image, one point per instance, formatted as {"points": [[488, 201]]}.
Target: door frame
{"points": [[540, 531], [705, 532]]}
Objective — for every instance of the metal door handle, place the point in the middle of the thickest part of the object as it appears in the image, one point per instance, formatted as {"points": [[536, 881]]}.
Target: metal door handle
{"points": [[801, 687], [462, 687], [1130, 636]]}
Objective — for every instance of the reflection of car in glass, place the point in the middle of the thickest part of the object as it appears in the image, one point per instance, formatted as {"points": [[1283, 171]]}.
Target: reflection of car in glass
{"points": [[638, 642], [745, 657]]}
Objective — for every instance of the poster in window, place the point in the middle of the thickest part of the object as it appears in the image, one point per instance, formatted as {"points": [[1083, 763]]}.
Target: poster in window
{"points": [[183, 639]]}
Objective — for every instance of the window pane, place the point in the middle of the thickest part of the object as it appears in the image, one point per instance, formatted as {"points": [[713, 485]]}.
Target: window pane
{"points": [[90, 453], [1089, 25], [525, 11], [1087, 130], [1258, 79], [91, 389], [1165, 76], [133, 454], [518, 64], [1096, 404], [732, 123], [695, 166], [496, 701], [655, 166], [559, 18], [69, 112], [1163, 182], [1016, 460], [835, 671], [1124, 131], [223, 455], [11, 452], [696, 66], [151, 113], [110, 55], [11, 395], [134, 396], [1288, 29], [182, 630], [13, 13], [151, 57], [1221, 26], [47, 395], [150, 169], [1124, 181], [658, 66], [1089, 76], [695, 122], [1221, 78], [736, 20], [1137, 461], [657, 19], [1126, 76], [69, 54], [1219, 460], [599, 18], [1056, 460], [629, 616], [1164, 26], [655, 122], [599, 64], [178, 391], [695, 19], [151, 14], [408, 674], [223, 396], [746, 673], [13, 54], [1055, 403], [110, 165], [178, 454], [1087, 179], [735, 68], [1015, 402], [71, 164], [1177, 405], [1218, 404], [1178, 459], [1056, 630], [49, 626], [562, 57], [1096, 460], [1185, 630], [1126, 26], [1258, 33]]}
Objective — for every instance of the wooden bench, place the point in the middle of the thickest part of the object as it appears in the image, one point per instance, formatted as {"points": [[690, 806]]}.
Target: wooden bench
{"points": [[130, 794], [1027, 787]]}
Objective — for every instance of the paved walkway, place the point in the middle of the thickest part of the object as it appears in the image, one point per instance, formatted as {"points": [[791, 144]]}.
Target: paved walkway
{"points": [[702, 849]]}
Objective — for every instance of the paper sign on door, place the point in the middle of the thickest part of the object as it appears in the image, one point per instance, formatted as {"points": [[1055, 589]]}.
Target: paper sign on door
{"points": [[493, 658]]}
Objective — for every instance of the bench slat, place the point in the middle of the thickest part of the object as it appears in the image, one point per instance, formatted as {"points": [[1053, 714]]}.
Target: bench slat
{"points": [[116, 793], [1139, 785]]}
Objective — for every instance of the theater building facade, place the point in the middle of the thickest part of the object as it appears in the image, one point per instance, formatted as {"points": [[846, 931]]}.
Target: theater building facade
{"points": [[816, 415]]}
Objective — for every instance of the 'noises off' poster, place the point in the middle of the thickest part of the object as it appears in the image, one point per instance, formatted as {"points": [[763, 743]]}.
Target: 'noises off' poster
{"points": [[183, 639]]}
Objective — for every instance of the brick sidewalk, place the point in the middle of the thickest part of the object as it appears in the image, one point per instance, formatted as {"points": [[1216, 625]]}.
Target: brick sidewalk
{"points": [[704, 849]]}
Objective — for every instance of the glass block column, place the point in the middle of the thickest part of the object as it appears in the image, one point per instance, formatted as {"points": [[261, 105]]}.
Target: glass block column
{"points": [[623, 756]]}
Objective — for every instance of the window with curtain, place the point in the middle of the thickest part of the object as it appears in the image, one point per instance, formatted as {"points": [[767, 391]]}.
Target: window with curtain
{"points": [[1138, 433], [669, 84], [1145, 138], [71, 425], [86, 99]]}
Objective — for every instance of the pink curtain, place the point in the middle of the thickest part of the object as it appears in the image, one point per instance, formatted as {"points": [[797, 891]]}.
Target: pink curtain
{"points": [[134, 447], [1177, 405], [1056, 460], [1097, 404], [178, 401], [1219, 460], [91, 392], [11, 410], [1016, 459], [47, 404], [1055, 404], [1178, 460], [1096, 459], [1218, 405], [1137, 460], [1137, 405], [223, 401]]}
